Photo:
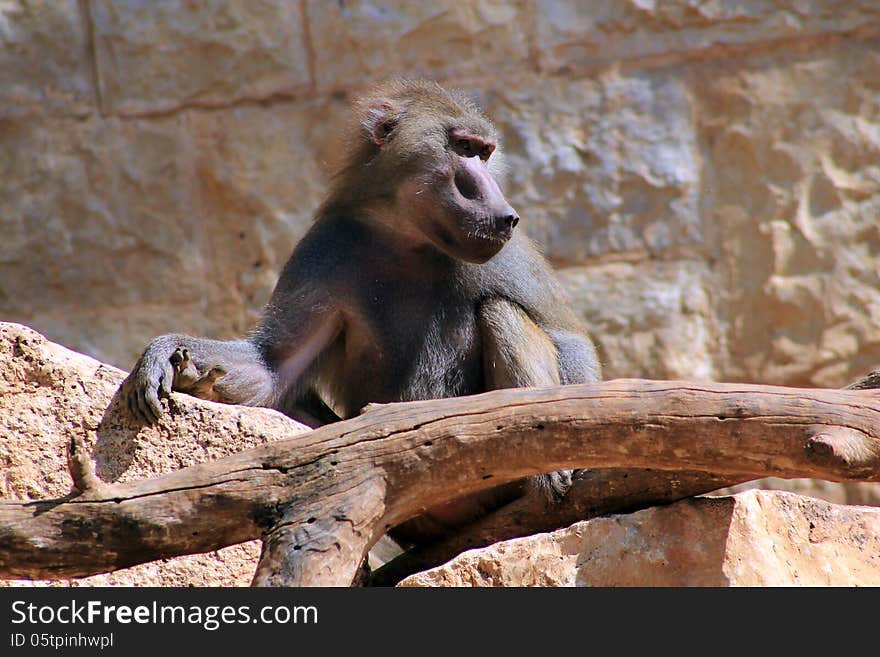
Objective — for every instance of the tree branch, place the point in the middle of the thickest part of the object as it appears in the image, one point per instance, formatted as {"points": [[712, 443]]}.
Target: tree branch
{"points": [[593, 493], [331, 493]]}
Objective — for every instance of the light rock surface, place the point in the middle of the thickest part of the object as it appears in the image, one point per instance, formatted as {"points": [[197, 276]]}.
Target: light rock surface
{"points": [[793, 196], [659, 323], [602, 165], [43, 64], [858, 493], [358, 42], [756, 538], [49, 393], [158, 57]]}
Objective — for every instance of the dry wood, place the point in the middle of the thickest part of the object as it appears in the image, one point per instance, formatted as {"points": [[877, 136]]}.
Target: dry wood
{"points": [[320, 500], [593, 493]]}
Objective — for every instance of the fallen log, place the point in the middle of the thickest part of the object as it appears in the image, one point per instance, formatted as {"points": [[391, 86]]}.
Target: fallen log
{"points": [[320, 500]]}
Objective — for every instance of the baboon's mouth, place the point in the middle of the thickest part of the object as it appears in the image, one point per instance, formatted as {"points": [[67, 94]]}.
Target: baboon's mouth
{"points": [[477, 245], [490, 231], [491, 238], [484, 244]]}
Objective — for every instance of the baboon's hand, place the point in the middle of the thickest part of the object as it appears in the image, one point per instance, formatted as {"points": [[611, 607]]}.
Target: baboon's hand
{"points": [[150, 379], [188, 379]]}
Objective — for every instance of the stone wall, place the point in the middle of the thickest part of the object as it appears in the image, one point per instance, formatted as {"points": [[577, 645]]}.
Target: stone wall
{"points": [[706, 175]]}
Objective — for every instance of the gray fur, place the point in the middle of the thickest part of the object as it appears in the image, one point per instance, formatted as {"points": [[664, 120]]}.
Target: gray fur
{"points": [[411, 284]]}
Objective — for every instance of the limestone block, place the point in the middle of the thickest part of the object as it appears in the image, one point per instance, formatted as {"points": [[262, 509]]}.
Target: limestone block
{"points": [[49, 393], [758, 538], [159, 56], [793, 190], [118, 230], [576, 34], [96, 214], [44, 63], [360, 41], [652, 320], [599, 167]]}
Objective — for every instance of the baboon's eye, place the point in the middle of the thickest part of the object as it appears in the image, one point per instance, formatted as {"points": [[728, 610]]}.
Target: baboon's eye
{"points": [[468, 145]]}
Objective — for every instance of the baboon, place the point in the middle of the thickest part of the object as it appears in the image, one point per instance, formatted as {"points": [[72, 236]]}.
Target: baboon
{"points": [[411, 284]]}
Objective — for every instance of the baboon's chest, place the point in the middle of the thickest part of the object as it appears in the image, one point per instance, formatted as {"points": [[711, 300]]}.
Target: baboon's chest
{"points": [[413, 347]]}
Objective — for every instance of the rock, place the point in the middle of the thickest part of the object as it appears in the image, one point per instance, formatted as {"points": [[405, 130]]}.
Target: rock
{"points": [[662, 324], [601, 166], [361, 41], [792, 145], [569, 37], [43, 68], [49, 393], [757, 538], [160, 57], [848, 492], [66, 262]]}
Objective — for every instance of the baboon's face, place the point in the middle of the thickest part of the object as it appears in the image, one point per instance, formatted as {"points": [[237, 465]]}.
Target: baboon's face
{"points": [[464, 212], [436, 150]]}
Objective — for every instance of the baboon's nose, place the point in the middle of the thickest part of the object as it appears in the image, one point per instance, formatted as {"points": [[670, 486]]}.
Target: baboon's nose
{"points": [[506, 222]]}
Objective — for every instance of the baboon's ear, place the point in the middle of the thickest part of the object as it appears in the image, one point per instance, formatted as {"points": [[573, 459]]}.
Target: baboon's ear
{"points": [[380, 120]]}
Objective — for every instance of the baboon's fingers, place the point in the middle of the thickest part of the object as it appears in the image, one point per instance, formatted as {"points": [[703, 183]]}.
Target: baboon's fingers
{"points": [[148, 403], [213, 374], [131, 403], [165, 385], [133, 396], [180, 358]]}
